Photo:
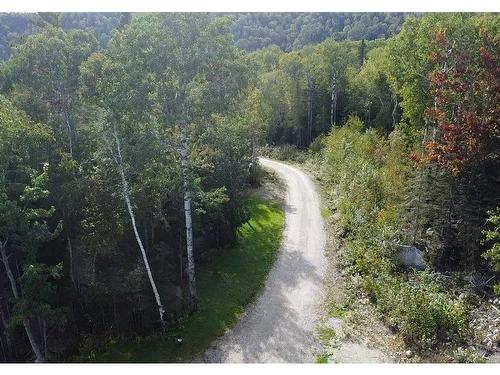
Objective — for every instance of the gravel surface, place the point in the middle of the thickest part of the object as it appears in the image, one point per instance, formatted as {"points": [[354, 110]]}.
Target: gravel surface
{"points": [[280, 325]]}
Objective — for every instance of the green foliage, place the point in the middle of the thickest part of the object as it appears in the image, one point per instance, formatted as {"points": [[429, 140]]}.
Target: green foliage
{"points": [[25, 221], [368, 174], [410, 59], [38, 283], [422, 310], [284, 152], [227, 282], [16, 27], [76, 85], [322, 358], [289, 31], [492, 236]]}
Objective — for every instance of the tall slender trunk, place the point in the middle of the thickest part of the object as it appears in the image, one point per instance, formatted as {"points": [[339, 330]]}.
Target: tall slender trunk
{"points": [[189, 221], [3, 332], [70, 132], [333, 102], [309, 108], [26, 323], [394, 111], [420, 191], [70, 254], [253, 169], [119, 163]]}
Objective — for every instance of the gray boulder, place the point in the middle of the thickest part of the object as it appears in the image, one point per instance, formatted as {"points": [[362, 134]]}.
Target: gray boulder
{"points": [[411, 257]]}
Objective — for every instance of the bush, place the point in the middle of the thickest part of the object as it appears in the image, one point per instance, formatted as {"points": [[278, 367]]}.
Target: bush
{"points": [[422, 311], [492, 236], [368, 174], [284, 152]]}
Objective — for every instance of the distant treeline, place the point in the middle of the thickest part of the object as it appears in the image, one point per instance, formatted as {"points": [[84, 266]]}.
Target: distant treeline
{"points": [[252, 31]]}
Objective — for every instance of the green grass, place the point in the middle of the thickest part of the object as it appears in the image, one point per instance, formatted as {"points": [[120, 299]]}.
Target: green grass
{"points": [[326, 334], [325, 213], [226, 284], [322, 358]]}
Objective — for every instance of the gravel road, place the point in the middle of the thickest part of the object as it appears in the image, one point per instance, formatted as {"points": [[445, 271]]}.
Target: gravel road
{"points": [[280, 325]]}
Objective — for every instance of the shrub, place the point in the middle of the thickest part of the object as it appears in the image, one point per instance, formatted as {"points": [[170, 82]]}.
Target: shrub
{"points": [[283, 152], [369, 174], [492, 236], [422, 311]]}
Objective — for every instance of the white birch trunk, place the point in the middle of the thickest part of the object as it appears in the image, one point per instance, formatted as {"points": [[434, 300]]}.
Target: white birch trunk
{"points": [[189, 221], [119, 163], [40, 358], [333, 103]]}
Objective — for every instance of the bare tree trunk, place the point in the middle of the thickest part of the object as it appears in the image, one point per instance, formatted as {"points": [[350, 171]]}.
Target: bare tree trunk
{"points": [[119, 162], [6, 349], [70, 253], [253, 169], [45, 337], [27, 327], [70, 133], [189, 221], [309, 108], [333, 108], [420, 191], [394, 111], [93, 271]]}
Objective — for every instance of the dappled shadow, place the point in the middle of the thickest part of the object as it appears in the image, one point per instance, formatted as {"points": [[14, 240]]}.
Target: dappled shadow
{"points": [[290, 209], [273, 328], [280, 325]]}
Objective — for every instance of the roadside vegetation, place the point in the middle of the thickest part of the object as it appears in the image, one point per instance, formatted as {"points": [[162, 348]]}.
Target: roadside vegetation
{"points": [[128, 149], [414, 164], [227, 282]]}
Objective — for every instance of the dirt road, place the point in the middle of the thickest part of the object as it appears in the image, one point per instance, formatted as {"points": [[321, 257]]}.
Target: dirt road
{"points": [[280, 325]]}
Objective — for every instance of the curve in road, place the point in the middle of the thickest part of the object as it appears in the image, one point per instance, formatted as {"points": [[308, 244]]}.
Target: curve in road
{"points": [[280, 325]]}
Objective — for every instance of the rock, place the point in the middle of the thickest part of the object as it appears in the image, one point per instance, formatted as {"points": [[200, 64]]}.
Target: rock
{"points": [[408, 353], [410, 256]]}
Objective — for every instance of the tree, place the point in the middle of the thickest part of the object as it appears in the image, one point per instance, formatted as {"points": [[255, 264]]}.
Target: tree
{"points": [[24, 224], [42, 78], [102, 87], [492, 236], [467, 91], [193, 71]]}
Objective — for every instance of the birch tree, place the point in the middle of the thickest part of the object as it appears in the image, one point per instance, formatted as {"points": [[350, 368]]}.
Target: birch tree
{"points": [[195, 71], [101, 86], [115, 150]]}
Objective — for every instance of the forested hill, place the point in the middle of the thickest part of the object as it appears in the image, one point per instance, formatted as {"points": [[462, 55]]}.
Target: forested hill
{"points": [[15, 27], [252, 31], [128, 146], [291, 31]]}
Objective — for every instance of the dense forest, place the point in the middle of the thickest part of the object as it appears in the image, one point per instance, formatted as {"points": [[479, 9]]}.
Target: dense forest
{"points": [[128, 145], [404, 136], [292, 31], [251, 31]]}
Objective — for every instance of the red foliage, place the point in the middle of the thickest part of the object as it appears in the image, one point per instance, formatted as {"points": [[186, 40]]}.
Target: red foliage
{"points": [[466, 87]]}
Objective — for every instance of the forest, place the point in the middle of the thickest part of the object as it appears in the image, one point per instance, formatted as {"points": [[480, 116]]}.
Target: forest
{"points": [[128, 149], [251, 31]]}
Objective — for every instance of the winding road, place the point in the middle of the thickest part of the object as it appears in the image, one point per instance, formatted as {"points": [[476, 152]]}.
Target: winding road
{"points": [[280, 325]]}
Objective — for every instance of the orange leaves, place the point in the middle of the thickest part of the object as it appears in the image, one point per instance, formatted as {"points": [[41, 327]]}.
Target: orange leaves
{"points": [[465, 113]]}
